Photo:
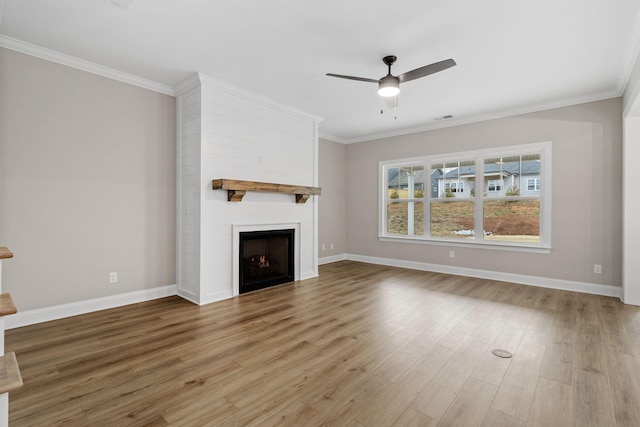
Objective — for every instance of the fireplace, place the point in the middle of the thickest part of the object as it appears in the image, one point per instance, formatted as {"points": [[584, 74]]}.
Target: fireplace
{"points": [[266, 259]]}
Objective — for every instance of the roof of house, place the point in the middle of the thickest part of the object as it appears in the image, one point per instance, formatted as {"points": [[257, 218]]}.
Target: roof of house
{"points": [[526, 167]]}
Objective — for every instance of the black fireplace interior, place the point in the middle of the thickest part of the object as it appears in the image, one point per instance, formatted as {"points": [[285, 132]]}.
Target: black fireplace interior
{"points": [[266, 259]]}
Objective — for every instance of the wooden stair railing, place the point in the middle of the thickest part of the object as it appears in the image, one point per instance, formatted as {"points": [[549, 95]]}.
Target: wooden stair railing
{"points": [[10, 378]]}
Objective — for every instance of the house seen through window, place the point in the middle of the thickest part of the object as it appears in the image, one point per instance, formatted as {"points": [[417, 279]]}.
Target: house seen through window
{"points": [[491, 196]]}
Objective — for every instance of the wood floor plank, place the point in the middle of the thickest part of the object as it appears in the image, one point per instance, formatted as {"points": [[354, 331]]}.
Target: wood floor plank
{"points": [[395, 399], [471, 405], [398, 363], [500, 419], [557, 363], [566, 315], [442, 390], [552, 404], [592, 400], [346, 411], [413, 418], [325, 394], [360, 345], [516, 391], [589, 354], [492, 369], [624, 380], [295, 413]]}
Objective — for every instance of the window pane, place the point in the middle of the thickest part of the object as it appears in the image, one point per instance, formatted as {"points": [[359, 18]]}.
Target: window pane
{"points": [[452, 219], [453, 179], [512, 220], [405, 218], [406, 182], [512, 176]]}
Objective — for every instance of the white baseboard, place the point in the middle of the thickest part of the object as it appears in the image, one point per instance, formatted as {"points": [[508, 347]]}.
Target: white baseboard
{"points": [[332, 258], [309, 274], [47, 314], [543, 282]]}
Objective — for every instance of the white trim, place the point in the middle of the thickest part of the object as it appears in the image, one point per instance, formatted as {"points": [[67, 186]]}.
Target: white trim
{"points": [[187, 295], [333, 138], [496, 245], [509, 113], [83, 65], [332, 258], [631, 56], [215, 297], [542, 282], [308, 275], [47, 314], [316, 217]]}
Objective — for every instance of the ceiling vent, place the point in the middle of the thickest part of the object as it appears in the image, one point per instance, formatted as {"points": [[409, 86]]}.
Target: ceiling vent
{"points": [[120, 3]]}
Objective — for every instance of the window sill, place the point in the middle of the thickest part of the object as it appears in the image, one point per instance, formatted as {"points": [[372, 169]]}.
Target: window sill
{"points": [[512, 247]]}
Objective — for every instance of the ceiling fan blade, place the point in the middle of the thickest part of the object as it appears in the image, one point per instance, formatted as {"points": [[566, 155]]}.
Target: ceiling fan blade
{"points": [[362, 79], [426, 70]]}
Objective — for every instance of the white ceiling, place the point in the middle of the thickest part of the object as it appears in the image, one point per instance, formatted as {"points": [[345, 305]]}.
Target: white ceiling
{"points": [[513, 56]]}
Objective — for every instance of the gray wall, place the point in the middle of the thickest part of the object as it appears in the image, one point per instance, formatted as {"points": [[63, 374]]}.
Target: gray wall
{"points": [[332, 204], [586, 196], [87, 184]]}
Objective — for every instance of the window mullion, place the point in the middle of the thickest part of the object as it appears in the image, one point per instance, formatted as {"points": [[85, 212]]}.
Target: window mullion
{"points": [[478, 203]]}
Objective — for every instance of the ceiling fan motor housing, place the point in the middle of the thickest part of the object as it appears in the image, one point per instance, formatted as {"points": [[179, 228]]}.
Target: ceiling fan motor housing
{"points": [[389, 86]]}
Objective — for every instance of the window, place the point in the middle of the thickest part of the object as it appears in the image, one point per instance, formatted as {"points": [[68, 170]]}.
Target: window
{"points": [[455, 187], [403, 196], [483, 197], [494, 185], [451, 209], [533, 184]]}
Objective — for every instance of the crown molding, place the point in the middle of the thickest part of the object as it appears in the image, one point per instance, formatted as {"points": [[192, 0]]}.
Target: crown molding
{"points": [[631, 57], [489, 116], [332, 138], [82, 65]]}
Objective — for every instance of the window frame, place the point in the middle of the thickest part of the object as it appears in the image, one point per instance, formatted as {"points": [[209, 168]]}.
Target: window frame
{"points": [[387, 199], [479, 156]]}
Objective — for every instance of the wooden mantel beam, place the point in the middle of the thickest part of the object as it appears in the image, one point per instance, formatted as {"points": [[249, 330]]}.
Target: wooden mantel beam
{"points": [[236, 189]]}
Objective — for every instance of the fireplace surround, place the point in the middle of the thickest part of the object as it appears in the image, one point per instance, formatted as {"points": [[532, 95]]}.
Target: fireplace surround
{"points": [[225, 132]]}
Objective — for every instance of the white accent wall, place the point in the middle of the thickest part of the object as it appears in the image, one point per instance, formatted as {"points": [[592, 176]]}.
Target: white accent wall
{"points": [[225, 132]]}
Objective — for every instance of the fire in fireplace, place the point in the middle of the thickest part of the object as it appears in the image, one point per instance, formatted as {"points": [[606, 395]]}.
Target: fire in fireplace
{"points": [[266, 259]]}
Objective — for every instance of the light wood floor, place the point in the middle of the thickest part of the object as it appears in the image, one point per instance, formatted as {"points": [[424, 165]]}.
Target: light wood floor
{"points": [[361, 345]]}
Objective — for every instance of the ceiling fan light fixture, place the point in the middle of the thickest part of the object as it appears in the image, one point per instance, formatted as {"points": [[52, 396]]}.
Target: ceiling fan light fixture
{"points": [[388, 86]]}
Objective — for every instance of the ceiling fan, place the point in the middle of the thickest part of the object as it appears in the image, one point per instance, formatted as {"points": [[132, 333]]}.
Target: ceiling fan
{"points": [[389, 85]]}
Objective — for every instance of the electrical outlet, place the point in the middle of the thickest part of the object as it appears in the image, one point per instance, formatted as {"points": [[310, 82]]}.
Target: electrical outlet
{"points": [[452, 254], [113, 277], [331, 246], [323, 247], [597, 268]]}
